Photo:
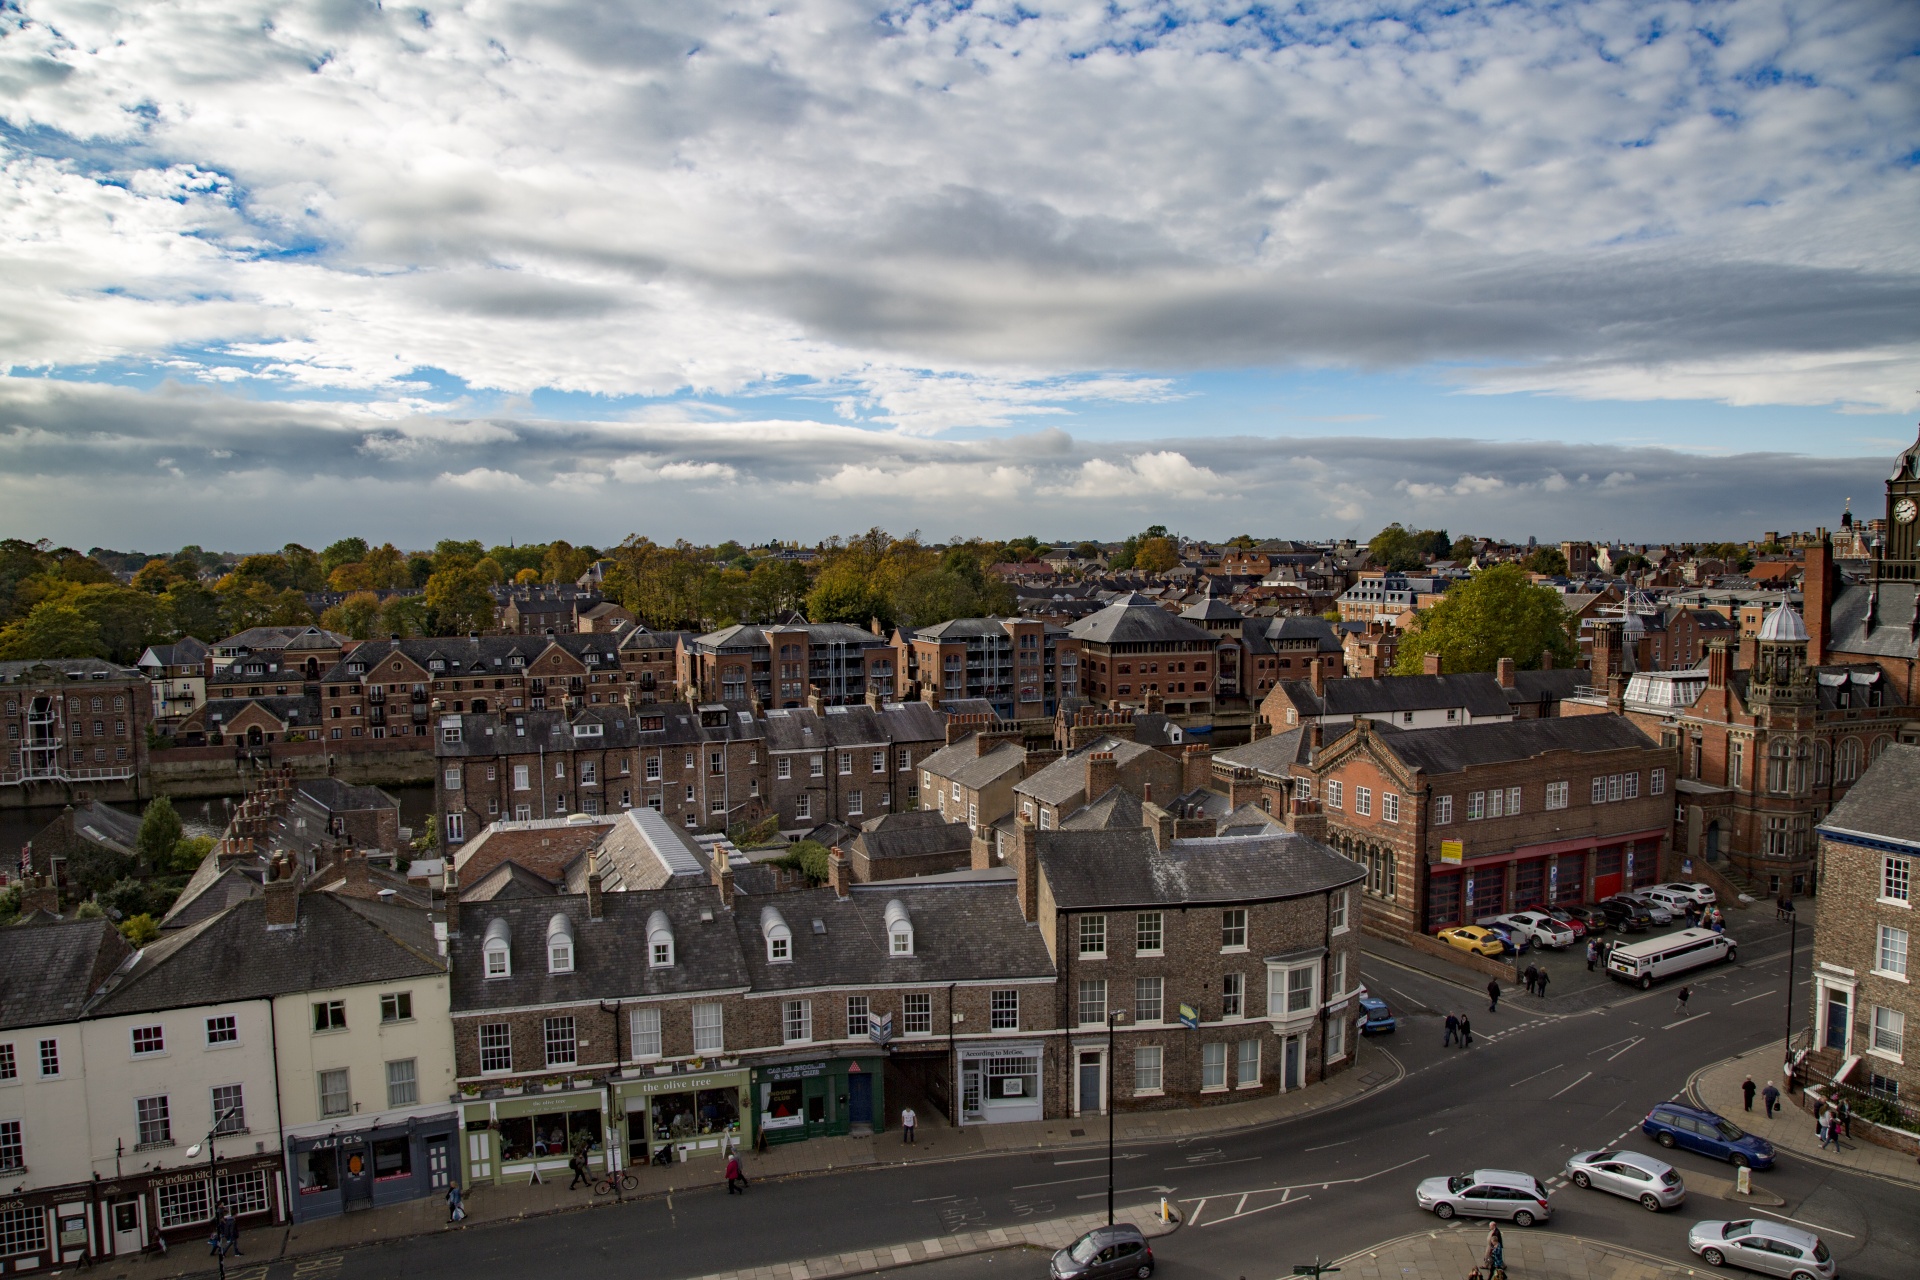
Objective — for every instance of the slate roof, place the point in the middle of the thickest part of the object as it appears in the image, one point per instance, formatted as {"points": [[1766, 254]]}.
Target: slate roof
{"points": [[1090, 870], [101, 824], [70, 668], [959, 762], [1271, 754], [1885, 802], [47, 971], [962, 931], [337, 942], [184, 652], [1134, 619], [746, 635], [1294, 627], [1556, 685], [915, 833], [1066, 777], [544, 846], [1477, 691], [470, 655], [1451, 748], [506, 880], [1895, 610], [211, 891], [336, 796], [801, 729], [964, 629], [1114, 811], [1249, 819], [610, 958]]}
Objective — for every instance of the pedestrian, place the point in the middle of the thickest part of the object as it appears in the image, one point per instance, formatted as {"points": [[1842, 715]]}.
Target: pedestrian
{"points": [[1747, 1090], [455, 1213], [1540, 984], [1466, 1032], [1823, 1125], [1680, 1004], [1493, 994], [907, 1121], [578, 1163], [1771, 1097], [1453, 1030], [1496, 1261], [230, 1228], [1529, 977], [736, 1180], [1780, 908], [1787, 1069], [1843, 1122], [1593, 953]]}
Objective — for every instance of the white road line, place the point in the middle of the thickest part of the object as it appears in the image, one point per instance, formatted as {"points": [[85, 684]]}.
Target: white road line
{"points": [[934, 1199], [1816, 1226], [1689, 1017], [1210, 1164], [1629, 1041], [1636, 1040], [1571, 1085], [1028, 1186], [1404, 996], [1536, 1075], [1331, 1145], [1101, 1159], [1762, 996]]}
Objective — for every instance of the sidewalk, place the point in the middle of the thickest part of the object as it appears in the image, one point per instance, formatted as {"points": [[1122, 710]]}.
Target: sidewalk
{"points": [[1718, 1089], [1373, 1069], [1450, 1252]]}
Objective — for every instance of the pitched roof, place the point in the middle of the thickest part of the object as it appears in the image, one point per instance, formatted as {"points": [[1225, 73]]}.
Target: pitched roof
{"points": [[1123, 868], [1885, 802], [960, 762], [1475, 691], [1114, 811], [1271, 754], [1132, 619], [915, 833], [1555, 685], [1892, 609], [544, 846], [47, 971], [1066, 778], [1451, 748]]}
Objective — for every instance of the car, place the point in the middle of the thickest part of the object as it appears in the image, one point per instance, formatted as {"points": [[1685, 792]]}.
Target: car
{"points": [[1758, 1245], [1374, 1017], [1676, 904], [1700, 893], [1674, 1124], [1592, 919], [1486, 1193], [1104, 1253], [1545, 930], [1626, 915], [1471, 937], [1516, 940], [1654, 1183], [1659, 911]]}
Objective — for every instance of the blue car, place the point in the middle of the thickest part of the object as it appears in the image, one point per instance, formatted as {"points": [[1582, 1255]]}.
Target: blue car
{"points": [[1374, 1018], [1672, 1124], [1517, 943]]}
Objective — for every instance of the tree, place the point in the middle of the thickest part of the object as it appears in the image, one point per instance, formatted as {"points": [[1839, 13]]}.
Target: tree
{"points": [[308, 573], [155, 576], [1547, 560], [451, 553], [345, 551], [428, 841], [159, 832], [1396, 547], [188, 608], [1461, 550], [461, 600], [1495, 614], [94, 868], [139, 930], [1632, 563], [357, 616], [1242, 542], [1156, 555], [806, 856], [55, 629], [1087, 550], [189, 853]]}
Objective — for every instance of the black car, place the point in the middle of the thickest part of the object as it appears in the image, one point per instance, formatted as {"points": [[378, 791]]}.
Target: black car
{"points": [[1626, 915], [1592, 919], [1105, 1253]]}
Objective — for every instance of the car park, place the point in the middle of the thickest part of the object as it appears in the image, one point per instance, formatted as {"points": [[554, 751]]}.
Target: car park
{"points": [[1541, 927], [1105, 1253], [1470, 937], [1682, 951], [1654, 1183], [1591, 919], [1626, 915], [1375, 1019], [1700, 893], [1676, 1125], [1771, 1248], [1676, 904], [1659, 914], [1516, 940], [1486, 1193]]}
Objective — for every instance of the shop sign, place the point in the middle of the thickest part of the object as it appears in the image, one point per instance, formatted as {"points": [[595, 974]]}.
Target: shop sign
{"points": [[169, 1179], [794, 1071], [1452, 851], [332, 1140], [680, 1084], [880, 1027], [1189, 1017]]}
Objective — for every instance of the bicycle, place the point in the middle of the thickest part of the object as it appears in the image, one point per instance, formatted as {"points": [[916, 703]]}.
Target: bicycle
{"points": [[614, 1183]]}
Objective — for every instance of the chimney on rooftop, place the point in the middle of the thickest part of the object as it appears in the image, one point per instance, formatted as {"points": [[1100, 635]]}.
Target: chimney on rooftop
{"points": [[282, 894], [839, 873], [1430, 664], [595, 902], [1719, 664], [452, 891], [1196, 767], [1503, 672], [723, 876], [1546, 659], [1026, 868], [1317, 678]]}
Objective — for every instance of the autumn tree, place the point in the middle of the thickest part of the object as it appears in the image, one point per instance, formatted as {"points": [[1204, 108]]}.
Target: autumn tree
{"points": [[461, 600]]}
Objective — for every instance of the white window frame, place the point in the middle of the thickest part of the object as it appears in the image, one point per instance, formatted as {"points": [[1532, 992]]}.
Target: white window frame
{"points": [[1150, 924], [796, 1022], [1891, 943], [643, 1034], [1333, 793], [1092, 937], [1213, 1067], [1279, 991], [709, 1028], [1886, 1033], [1242, 1077], [1896, 880], [496, 1046], [1339, 912], [1003, 1012], [1389, 806], [1149, 1071], [1442, 811], [859, 1009], [1092, 995]]}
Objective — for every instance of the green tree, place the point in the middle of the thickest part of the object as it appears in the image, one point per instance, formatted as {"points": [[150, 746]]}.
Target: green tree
{"points": [[406, 617], [1495, 614], [155, 576], [1087, 550], [461, 600], [806, 856], [345, 551], [428, 841], [1242, 542], [357, 616], [189, 608], [451, 553], [140, 930], [308, 573], [55, 629], [159, 833], [189, 853], [94, 868], [1396, 547], [1461, 550], [1632, 563], [1547, 560]]}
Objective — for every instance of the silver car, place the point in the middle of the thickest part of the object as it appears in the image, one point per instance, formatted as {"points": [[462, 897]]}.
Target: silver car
{"points": [[1658, 910], [1654, 1183], [1758, 1245], [1700, 893], [1486, 1193]]}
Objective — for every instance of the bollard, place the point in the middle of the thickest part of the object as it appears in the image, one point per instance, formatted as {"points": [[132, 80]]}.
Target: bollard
{"points": [[1163, 1209], [1743, 1180]]}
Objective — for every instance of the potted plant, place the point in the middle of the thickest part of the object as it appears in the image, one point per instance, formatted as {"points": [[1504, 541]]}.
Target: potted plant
{"points": [[553, 1084], [470, 1090]]}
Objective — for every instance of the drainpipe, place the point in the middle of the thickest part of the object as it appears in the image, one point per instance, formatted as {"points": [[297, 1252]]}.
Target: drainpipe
{"points": [[279, 1116]]}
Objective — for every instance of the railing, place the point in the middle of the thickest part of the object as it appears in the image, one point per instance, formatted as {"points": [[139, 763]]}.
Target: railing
{"points": [[61, 773]]}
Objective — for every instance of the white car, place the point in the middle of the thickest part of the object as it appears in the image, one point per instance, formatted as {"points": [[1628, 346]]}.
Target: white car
{"points": [[1675, 903], [1771, 1248], [1543, 929], [1700, 893], [1660, 911]]}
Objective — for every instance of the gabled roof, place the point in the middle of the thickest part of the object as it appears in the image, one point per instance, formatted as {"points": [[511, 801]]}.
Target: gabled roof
{"points": [[1066, 778], [960, 762], [914, 833], [1089, 870], [1556, 685], [1885, 803], [1117, 810], [1451, 748], [1272, 754], [48, 971]]}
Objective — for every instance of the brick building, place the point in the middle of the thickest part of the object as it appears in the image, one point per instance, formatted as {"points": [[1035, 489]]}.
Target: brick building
{"points": [[895, 846], [1251, 655], [782, 664], [76, 731], [272, 661], [1134, 650], [1864, 998], [848, 763], [1022, 667], [1407, 702]]}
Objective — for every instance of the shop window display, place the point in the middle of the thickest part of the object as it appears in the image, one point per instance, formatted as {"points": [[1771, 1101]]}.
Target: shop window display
{"points": [[553, 1135], [393, 1158], [319, 1171], [680, 1116]]}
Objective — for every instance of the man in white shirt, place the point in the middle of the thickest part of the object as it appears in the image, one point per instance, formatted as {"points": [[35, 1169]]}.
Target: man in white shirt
{"points": [[907, 1121]]}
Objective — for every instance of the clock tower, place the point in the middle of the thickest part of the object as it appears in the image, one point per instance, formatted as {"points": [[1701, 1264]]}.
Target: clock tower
{"points": [[1901, 551]]}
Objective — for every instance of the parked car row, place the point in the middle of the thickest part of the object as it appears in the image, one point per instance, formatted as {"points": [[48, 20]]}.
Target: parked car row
{"points": [[1635, 911]]}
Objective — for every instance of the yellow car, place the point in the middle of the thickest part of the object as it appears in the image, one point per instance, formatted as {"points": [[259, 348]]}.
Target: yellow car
{"points": [[1471, 937]]}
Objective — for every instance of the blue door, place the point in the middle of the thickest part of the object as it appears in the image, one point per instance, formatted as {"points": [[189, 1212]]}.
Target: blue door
{"points": [[860, 1098]]}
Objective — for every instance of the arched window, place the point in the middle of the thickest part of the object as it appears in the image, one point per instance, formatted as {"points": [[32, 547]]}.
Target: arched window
{"points": [[659, 941], [559, 944], [1880, 744], [899, 929], [1779, 765], [1822, 763], [779, 938], [499, 955], [1847, 760]]}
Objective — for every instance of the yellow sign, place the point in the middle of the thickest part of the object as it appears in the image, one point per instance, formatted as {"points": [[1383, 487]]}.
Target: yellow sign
{"points": [[1452, 851]]}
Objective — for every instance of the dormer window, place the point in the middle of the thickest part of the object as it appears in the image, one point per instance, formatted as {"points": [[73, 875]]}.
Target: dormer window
{"points": [[899, 929], [773, 927], [659, 941], [559, 944], [436, 664], [499, 956]]}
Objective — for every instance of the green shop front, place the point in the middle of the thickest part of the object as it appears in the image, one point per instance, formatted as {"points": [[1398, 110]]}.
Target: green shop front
{"points": [[818, 1097], [682, 1115], [513, 1135]]}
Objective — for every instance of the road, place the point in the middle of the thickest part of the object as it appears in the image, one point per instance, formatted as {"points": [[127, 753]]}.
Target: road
{"points": [[1534, 1088]]}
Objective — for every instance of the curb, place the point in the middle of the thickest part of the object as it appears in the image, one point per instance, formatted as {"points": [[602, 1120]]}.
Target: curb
{"points": [[1584, 1241], [1692, 1091]]}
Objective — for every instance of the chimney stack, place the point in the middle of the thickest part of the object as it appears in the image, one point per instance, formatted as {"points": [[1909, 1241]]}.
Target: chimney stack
{"points": [[595, 902], [1261, 729], [1719, 664], [839, 873], [1160, 823], [723, 876], [282, 895], [1196, 767], [1546, 659], [1503, 672], [1026, 868], [1430, 664], [1317, 678], [1103, 774], [1816, 597], [452, 890]]}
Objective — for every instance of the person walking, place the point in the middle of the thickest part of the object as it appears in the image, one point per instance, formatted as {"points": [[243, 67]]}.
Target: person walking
{"points": [[455, 1212], [1771, 1097], [1466, 1032], [1593, 953], [578, 1163], [1540, 984], [1842, 1122], [230, 1228], [907, 1121], [1453, 1030], [1747, 1089], [736, 1180], [1529, 977], [1823, 1125], [1680, 1003], [1496, 1259], [1493, 994]]}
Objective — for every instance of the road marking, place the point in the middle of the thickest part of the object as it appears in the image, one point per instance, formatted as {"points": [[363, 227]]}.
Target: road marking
{"points": [[1688, 1017], [1441, 1129], [1762, 996], [1404, 996], [1816, 1226], [1102, 1159], [1536, 1075], [1028, 1186], [1285, 1193], [1213, 1164], [1636, 1040], [1123, 1191], [1550, 1098], [1331, 1145], [936, 1199]]}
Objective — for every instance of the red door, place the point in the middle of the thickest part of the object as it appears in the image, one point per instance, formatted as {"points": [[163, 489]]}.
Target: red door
{"points": [[1606, 886]]}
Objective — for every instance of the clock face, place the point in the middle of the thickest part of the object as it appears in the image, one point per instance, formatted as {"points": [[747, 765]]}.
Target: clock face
{"points": [[1905, 510]]}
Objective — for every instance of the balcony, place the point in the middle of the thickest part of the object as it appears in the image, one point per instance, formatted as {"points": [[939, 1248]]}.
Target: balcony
{"points": [[56, 772]]}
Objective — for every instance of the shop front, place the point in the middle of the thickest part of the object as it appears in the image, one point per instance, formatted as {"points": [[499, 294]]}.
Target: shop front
{"points": [[337, 1171], [128, 1215], [684, 1116], [1561, 873], [1000, 1082], [513, 1138], [819, 1097]]}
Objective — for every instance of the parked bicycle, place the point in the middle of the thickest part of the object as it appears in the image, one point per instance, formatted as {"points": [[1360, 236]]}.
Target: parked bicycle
{"points": [[615, 1183]]}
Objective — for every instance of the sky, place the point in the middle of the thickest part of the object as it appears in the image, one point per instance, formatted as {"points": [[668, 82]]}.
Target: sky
{"points": [[1628, 269]]}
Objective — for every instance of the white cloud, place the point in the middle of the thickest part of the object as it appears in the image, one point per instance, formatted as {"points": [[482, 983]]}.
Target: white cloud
{"points": [[1555, 483], [484, 480]]}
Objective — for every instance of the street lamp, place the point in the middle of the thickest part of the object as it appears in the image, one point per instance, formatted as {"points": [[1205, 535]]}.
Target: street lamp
{"points": [[193, 1153], [1114, 1019], [1793, 956]]}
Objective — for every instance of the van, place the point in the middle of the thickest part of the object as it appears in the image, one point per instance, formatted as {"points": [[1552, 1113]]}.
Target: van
{"points": [[1644, 963]]}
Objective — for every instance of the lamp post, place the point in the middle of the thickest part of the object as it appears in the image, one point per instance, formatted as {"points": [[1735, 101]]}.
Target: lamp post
{"points": [[1114, 1019], [1793, 949], [193, 1153]]}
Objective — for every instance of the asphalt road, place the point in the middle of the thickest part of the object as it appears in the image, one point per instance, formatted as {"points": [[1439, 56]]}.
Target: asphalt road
{"points": [[1535, 1088]]}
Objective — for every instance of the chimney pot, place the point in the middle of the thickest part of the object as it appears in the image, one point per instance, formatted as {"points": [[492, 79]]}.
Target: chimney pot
{"points": [[1430, 664], [1503, 671]]}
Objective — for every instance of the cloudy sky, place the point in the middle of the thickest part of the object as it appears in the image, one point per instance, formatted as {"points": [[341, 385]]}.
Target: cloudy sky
{"points": [[517, 269]]}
